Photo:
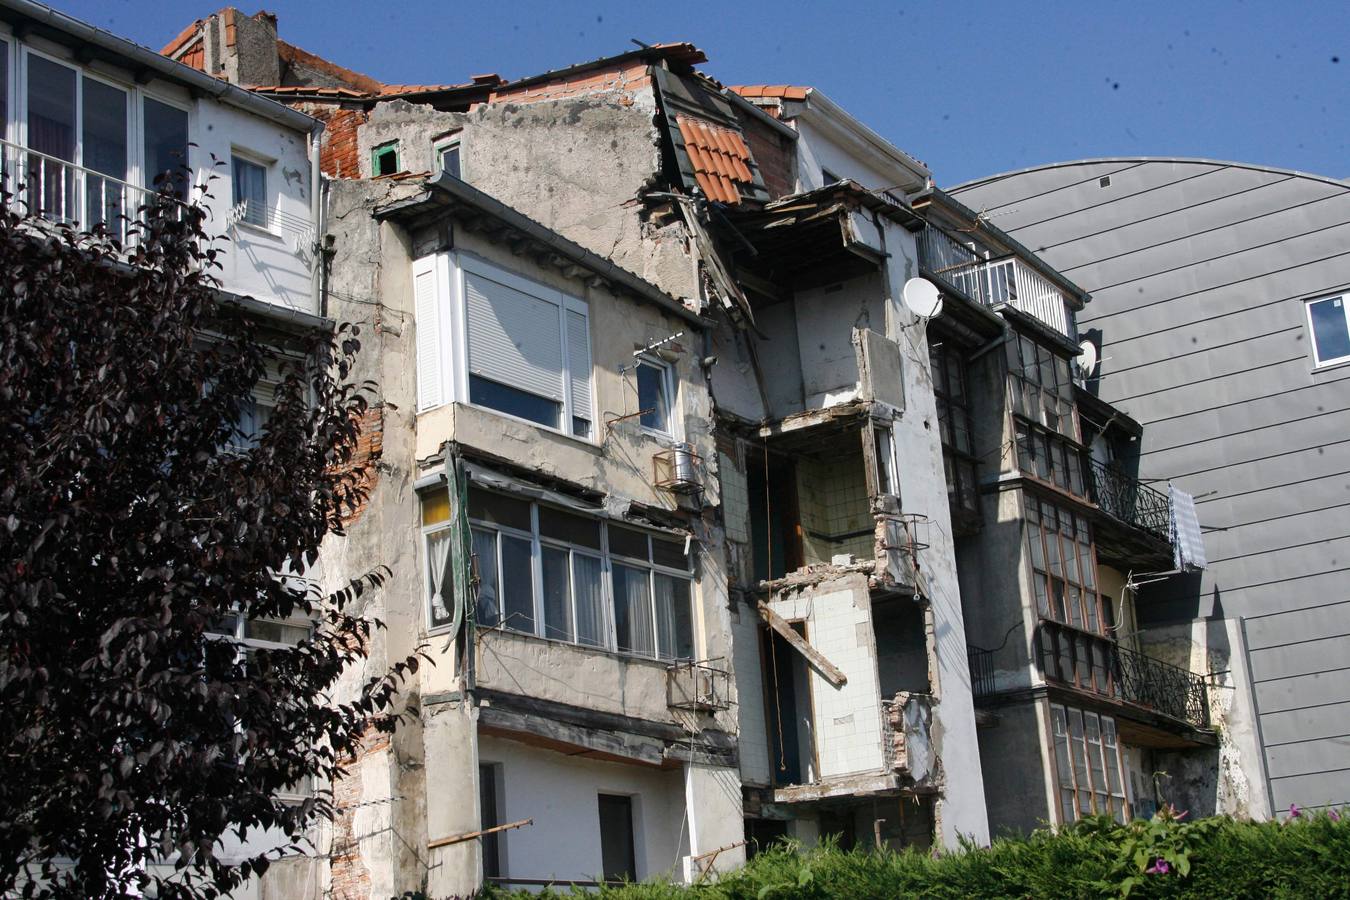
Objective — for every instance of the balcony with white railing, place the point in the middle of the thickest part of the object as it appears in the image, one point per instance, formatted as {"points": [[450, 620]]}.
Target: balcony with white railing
{"points": [[1005, 281]]}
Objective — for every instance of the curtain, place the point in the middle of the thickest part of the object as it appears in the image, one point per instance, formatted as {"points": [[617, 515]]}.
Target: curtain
{"points": [[557, 596], [633, 611], [589, 603], [485, 551], [438, 553]]}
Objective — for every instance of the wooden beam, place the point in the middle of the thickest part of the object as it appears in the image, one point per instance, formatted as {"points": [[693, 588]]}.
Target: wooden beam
{"points": [[817, 659], [470, 835]]}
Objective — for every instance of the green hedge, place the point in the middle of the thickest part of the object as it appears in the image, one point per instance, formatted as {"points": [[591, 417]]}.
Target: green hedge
{"points": [[1309, 856]]}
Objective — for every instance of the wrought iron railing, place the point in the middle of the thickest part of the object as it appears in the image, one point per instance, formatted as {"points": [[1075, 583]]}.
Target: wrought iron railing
{"points": [[1129, 500], [994, 282], [981, 670], [1098, 664]]}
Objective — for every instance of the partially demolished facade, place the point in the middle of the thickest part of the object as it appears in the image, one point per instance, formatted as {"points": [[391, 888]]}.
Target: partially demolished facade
{"points": [[669, 484]]}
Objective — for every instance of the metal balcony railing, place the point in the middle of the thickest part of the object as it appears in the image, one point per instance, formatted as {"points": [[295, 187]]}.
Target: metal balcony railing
{"points": [[994, 282], [61, 191], [981, 670], [1129, 500], [1098, 664]]}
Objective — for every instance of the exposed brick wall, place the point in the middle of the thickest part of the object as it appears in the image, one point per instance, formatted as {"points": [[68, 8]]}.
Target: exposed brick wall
{"points": [[338, 155], [350, 877], [369, 449], [775, 155], [627, 80]]}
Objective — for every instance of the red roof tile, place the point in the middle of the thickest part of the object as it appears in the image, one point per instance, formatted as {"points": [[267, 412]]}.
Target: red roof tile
{"points": [[719, 157], [776, 91]]}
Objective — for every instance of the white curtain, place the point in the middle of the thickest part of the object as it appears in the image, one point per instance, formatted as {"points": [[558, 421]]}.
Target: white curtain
{"points": [[633, 611], [589, 602], [438, 553], [485, 549]]}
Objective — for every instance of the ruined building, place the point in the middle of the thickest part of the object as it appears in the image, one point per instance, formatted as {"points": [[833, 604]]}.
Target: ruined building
{"points": [[691, 509]]}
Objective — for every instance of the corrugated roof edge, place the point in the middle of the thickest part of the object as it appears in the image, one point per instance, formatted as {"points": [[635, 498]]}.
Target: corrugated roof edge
{"points": [[679, 52], [456, 191], [123, 49], [1188, 160]]}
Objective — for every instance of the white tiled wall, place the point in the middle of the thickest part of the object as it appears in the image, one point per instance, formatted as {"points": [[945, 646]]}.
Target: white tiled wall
{"points": [[838, 618]]}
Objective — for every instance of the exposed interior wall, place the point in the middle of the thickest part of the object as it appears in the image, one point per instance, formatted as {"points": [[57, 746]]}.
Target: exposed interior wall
{"points": [[561, 794], [902, 649], [826, 317], [997, 616], [832, 502], [838, 618]]}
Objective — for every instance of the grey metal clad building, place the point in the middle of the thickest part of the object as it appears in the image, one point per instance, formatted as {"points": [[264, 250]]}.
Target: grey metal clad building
{"points": [[1221, 301]]}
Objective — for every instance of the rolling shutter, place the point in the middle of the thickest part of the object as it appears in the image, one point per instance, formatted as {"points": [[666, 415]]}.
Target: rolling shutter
{"points": [[579, 364], [430, 349], [514, 339]]}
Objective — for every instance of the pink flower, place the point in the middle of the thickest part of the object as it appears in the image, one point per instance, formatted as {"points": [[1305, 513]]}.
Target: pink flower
{"points": [[1294, 811], [1159, 867], [1333, 815]]}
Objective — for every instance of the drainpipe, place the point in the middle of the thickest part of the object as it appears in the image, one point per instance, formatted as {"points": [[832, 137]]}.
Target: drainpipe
{"points": [[318, 286]]}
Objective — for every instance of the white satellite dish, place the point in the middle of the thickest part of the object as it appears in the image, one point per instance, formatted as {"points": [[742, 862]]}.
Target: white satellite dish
{"points": [[1087, 358], [922, 298]]}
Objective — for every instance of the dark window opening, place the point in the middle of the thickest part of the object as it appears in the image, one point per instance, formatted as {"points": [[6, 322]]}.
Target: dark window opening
{"points": [[788, 707], [617, 850], [489, 806], [902, 646], [514, 402], [775, 530], [760, 834], [384, 160]]}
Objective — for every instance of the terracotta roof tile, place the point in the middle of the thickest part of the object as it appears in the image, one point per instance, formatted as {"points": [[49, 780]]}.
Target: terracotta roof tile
{"points": [[779, 91], [307, 90], [720, 158]]}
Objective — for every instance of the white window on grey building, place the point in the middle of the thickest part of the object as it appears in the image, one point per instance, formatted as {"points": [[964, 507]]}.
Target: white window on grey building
{"points": [[656, 391], [502, 342], [447, 157], [250, 190], [1087, 765], [1329, 320]]}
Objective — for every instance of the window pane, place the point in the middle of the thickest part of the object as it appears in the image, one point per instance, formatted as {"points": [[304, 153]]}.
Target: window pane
{"points": [[518, 583], [626, 542], [487, 812], [275, 632], [51, 130], [499, 509], [674, 618], [250, 191], [557, 595], [104, 136], [653, 396], [565, 526], [1092, 730], [450, 160], [513, 401], [166, 144], [1329, 329], [669, 553], [633, 625], [590, 601], [440, 585], [485, 552]]}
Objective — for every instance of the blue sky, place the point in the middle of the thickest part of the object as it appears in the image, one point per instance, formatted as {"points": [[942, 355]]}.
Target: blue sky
{"points": [[971, 88]]}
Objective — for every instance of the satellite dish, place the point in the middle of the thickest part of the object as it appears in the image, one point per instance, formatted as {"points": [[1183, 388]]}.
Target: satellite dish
{"points": [[922, 298], [1087, 358]]}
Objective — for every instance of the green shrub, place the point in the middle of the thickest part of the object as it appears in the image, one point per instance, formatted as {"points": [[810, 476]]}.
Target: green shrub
{"points": [[1164, 857]]}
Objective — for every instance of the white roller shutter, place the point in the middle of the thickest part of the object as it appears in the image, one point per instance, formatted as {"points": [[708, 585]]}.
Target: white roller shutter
{"points": [[579, 364], [514, 339], [430, 347]]}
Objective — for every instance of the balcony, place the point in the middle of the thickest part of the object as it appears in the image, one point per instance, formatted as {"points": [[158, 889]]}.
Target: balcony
{"points": [[981, 661], [1130, 501], [1099, 665], [994, 282]]}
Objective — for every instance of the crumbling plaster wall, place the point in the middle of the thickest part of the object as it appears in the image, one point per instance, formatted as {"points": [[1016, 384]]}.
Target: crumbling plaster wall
{"points": [[1018, 796], [922, 488]]}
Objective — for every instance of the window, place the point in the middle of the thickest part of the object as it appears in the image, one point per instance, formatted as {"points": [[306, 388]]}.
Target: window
{"points": [[618, 859], [827, 177], [504, 343], [1049, 457], [655, 387], [384, 159], [1064, 567], [560, 575], [165, 135], [447, 157], [250, 191], [1329, 320], [954, 425], [1087, 764], [1041, 387], [883, 445], [52, 106], [103, 139]]}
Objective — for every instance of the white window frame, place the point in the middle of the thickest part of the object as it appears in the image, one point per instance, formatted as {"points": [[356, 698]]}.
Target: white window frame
{"points": [[671, 385], [607, 561], [444, 144], [1318, 361], [448, 270], [1094, 792], [269, 224]]}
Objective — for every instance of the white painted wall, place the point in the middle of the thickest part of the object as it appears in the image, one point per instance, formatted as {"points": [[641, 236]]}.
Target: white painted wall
{"points": [[815, 151], [561, 794]]}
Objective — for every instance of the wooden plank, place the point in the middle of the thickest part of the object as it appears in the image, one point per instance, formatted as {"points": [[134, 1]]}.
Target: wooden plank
{"points": [[817, 659], [470, 835]]}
